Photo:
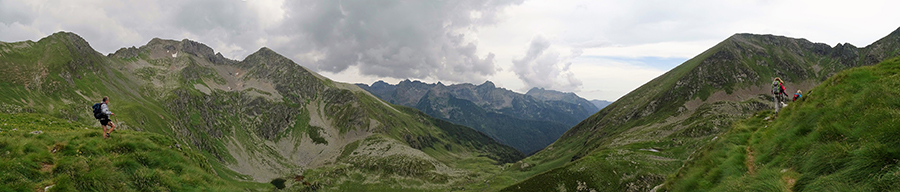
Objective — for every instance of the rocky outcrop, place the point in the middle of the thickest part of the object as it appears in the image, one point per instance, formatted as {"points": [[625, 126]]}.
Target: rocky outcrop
{"points": [[126, 53]]}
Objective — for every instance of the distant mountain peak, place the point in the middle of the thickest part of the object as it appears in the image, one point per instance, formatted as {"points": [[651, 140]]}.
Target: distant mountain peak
{"points": [[197, 48], [534, 89], [72, 40], [488, 84], [541, 90], [66, 34], [163, 42], [266, 52], [380, 83]]}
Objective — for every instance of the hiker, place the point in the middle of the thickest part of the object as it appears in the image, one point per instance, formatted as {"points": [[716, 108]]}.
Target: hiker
{"points": [[778, 90], [102, 113], [797, 95]]}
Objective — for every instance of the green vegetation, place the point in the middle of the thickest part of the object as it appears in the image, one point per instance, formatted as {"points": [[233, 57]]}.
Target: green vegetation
{"points": [[313, 133], [39, 151], [685, 108], [841, 137]]}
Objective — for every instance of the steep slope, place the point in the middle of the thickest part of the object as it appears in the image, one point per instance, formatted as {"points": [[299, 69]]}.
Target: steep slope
{"points": [[633, 143], [839, 137], [43, 153], [257, 119], [522, 121]]}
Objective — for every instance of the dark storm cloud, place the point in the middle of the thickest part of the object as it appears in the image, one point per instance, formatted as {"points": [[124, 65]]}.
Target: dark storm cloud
{"points": [[400, 39], [541, 67]]}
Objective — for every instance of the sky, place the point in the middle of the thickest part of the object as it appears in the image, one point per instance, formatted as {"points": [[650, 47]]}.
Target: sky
{"points": [[595, 48]]}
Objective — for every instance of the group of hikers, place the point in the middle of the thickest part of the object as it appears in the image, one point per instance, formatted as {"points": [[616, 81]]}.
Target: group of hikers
{"points": [[780, 95]]}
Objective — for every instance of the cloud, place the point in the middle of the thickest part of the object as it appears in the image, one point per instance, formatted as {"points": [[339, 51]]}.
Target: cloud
{"points": [[399, 39], [391, 38], [449, 41], [543, 67], [609, 79]]}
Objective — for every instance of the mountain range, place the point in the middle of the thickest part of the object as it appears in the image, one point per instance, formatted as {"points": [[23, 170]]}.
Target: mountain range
{"points": [[528, 122], [260, 119]]}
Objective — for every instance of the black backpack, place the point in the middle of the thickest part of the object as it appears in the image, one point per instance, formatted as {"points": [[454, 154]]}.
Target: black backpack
{"points": [[98, 113]]}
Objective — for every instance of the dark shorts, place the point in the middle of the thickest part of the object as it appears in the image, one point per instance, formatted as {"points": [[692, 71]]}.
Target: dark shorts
{"points": [[104, 121]]}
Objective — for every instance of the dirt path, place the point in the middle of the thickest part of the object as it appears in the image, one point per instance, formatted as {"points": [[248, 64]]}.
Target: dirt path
{"points": [[751, 160]]}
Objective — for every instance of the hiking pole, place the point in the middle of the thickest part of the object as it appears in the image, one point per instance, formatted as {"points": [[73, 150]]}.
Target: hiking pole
{"points": [[117, 120]]}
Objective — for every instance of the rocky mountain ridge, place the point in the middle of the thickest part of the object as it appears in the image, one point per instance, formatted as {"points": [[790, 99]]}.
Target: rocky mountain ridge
{"points": [[527, 122]]}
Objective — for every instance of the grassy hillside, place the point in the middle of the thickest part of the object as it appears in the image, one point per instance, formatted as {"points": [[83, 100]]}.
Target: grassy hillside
{"points": [[634, 143], [40, 151], [258, 119], [841, 137]]}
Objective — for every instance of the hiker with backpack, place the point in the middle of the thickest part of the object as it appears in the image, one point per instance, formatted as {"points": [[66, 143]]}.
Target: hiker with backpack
{"points": [[778, 91], [797, 95], [102, 113]]}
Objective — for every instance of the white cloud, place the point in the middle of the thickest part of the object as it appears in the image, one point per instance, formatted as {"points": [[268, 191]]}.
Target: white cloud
{"points": [[610, 79], [661, 49], [543, 67]]}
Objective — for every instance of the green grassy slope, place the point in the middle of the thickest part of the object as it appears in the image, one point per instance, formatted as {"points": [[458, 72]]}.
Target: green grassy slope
{"points": [[841, 137], [632, 144], [37, 151]]}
